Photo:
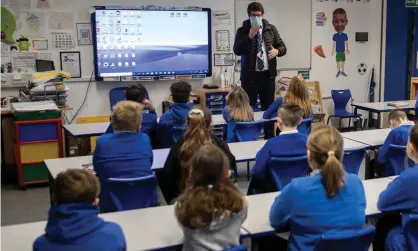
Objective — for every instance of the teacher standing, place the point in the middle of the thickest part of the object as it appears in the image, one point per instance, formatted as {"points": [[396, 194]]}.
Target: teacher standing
{"points": [[258, 43]]}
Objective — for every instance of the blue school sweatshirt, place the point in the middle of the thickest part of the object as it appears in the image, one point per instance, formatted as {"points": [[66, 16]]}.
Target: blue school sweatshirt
{"points": [[287, 144], [121, 155], [400, 196], [305, 207], [271, 112], [149, 122], [397, 136], [176, 116], [77, 226], [231, 135]]}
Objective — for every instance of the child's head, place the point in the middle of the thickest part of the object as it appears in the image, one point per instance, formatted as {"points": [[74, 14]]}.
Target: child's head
{"points": [[210, 194], [76, 186], [198, 134], [412, 148], [137, 93], [325, 152], [289, 116], [180, 91], [239, 104], [298, 93], [339, 20], [396, 118], [127, 116]]}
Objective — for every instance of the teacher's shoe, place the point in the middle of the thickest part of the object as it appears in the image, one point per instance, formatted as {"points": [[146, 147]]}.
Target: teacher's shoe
{"points": [[338, 74], [343, 73]]}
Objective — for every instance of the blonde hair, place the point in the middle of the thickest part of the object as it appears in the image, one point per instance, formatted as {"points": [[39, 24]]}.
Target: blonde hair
{"points": [[238, 103], [210, 194], [197, 135], [326, 146], [127, 116], [298, 93]]}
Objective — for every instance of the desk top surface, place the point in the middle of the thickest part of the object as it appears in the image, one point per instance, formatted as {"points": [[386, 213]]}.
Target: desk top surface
{"points": [[243, 151], [383, 106], [258, 221], [95, 129], [373, 138]]}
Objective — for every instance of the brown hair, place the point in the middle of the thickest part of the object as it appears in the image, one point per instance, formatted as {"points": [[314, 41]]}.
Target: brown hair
{"points": [[127, 116], [326, 146], [196, 136], [339, 11], [290, 114], [210, 194], [298, 93], [238, 103], [255, 6], [75, 186], [180, 91], [397, 115], [413, 136]]}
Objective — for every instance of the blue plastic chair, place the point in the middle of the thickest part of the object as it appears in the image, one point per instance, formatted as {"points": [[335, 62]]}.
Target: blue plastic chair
{"points": [[397, 160], [241, 247], [118, 94], [284, 169], [353, 158], [248, 131], [178, 132], [346, 240], [410, 230], [132, 193], [305, 126], [341, 98]]}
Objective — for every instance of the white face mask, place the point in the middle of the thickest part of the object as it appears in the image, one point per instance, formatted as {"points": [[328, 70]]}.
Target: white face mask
{"points": [[256, 20]]}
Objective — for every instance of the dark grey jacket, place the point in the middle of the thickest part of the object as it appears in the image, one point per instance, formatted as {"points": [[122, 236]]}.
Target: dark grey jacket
{"points": [[247, 48]]}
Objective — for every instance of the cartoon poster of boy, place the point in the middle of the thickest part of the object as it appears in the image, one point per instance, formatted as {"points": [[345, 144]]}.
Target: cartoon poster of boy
{"points": [[340, 44]]}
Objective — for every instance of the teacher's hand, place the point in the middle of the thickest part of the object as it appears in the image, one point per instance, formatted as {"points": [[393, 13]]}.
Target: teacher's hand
{"points": [[254, 29], [273, 53]]}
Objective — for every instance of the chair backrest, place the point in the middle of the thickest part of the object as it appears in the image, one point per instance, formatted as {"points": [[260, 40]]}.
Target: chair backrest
{"points": [[178, 132], [133, 193], [397, 159], [305, 126], [248, 131], [284, 169], [118, 94], [340, 98], [347, 240], [353, 158], [115, 95], [241, 247], [410, 230]]}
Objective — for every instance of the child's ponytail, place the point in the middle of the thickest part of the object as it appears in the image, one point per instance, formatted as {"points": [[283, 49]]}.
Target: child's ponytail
{"points": [[326, 147], [333, 174]]}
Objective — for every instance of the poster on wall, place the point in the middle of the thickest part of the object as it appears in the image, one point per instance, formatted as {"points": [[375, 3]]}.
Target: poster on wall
{"points": [[321, 19], [222, 40], [223, 59], [84, 36], [340, 40], [71, 63]]}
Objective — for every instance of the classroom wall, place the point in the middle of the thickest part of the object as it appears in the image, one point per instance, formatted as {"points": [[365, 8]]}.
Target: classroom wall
{"points": [[363, 17]]}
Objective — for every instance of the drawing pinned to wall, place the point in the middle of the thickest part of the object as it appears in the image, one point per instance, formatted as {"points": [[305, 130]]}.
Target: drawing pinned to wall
{"points": [[319, 51], [340, 40], [221, 17], [8, 26], [40, 44], [84, 35], [362, 68], [61, 20], [222, 40], [321, 19], [43, 4], [19, 4], [23, 43], [61, 4], [31, 24]]}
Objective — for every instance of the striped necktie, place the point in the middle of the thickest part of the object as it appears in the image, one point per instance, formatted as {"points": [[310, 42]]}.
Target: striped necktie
{"points": [[260, 55]]}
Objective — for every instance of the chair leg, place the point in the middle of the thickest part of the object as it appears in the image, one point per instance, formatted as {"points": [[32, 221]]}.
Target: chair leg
{"points": [[248, 171], [339, 124], [349, 124], [329, 118]]}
